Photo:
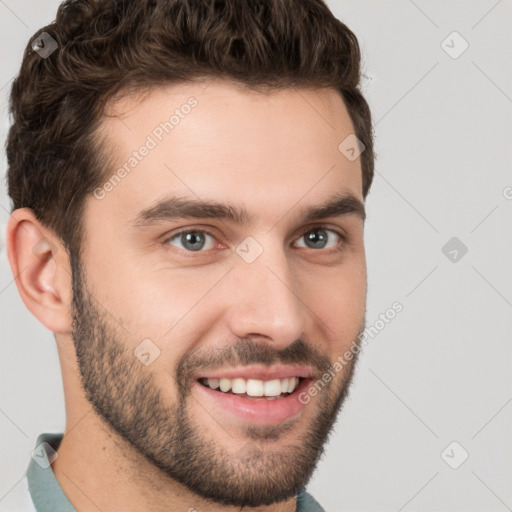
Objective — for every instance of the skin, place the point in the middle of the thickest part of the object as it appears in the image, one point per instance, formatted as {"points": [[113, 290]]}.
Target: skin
{"points": [[270, 153]]}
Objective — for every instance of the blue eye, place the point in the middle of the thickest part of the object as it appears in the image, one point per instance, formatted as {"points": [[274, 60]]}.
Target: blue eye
{"points": [[317, 238], [198, 240], [191, 240]]}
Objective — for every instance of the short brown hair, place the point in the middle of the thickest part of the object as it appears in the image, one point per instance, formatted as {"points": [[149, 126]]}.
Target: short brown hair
{"points": [[109, 47]]}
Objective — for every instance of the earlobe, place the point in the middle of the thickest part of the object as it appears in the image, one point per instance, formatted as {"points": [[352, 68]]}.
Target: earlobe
{"points": [[40, 268]]}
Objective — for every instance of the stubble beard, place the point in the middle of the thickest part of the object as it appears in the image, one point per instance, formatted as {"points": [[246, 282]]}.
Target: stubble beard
{"points": [[124, 394]]}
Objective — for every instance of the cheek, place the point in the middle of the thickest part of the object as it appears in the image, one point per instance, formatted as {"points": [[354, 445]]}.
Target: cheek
{"points": [[338, 299], [171, 308], [147, 293]]}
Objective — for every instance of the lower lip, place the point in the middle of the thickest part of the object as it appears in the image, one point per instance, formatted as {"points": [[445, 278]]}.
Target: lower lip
{"points": [[257, 412]]}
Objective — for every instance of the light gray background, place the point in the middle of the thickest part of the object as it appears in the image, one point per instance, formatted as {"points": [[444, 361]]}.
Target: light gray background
{"points": [[441, 370]]}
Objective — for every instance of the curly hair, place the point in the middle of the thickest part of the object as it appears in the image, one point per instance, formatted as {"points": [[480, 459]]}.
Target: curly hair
{"points": [[105, 48]]}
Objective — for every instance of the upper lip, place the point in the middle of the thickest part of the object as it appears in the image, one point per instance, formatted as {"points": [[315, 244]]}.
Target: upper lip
{"points": [[259, 372]]}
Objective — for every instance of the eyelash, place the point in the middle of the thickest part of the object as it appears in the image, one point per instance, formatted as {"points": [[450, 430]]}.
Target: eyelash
{"points": [[193, 254]]}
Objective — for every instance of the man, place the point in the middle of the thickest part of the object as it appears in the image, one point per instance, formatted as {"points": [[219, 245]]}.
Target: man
{"points": [[188, 182]]}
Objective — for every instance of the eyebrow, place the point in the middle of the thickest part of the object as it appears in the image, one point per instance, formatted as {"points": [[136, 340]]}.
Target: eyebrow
{"points": [[176, 208]]}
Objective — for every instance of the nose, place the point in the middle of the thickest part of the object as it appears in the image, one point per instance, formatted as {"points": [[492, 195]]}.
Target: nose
{"points": [[265, 300]]}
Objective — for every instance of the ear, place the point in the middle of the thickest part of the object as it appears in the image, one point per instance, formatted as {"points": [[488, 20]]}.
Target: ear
{"points": [[41, 269]]}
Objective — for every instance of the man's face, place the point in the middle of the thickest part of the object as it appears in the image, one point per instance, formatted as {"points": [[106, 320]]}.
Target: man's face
{"points": [[197, 334]]}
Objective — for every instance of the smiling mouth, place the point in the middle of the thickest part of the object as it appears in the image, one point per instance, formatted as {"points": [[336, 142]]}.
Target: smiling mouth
{"points": [[254, 389]]}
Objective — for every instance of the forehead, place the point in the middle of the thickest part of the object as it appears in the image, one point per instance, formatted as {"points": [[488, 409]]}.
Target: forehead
{"points": [[216, 140]]}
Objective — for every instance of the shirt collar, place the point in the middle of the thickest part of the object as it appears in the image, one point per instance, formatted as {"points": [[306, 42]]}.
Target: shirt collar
{"points": [[45, 491]]}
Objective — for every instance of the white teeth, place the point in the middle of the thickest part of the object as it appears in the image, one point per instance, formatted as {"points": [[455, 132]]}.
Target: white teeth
{"points": [[213, 383], [225, 385], [238, 386], [253, 387], [272, 387]]}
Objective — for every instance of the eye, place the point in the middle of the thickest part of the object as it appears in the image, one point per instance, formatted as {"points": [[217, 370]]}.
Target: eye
{"points": [[192, 240], [196, 240], [318, 238]]}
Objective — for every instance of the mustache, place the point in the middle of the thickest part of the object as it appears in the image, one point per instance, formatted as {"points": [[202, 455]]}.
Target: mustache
{"points": [[245, 352]]}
